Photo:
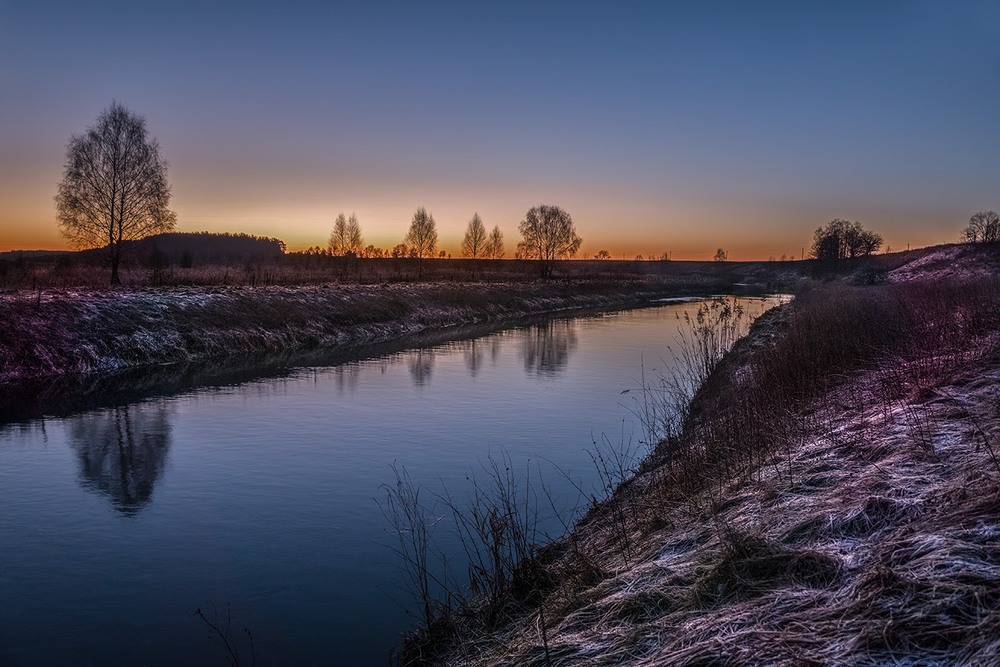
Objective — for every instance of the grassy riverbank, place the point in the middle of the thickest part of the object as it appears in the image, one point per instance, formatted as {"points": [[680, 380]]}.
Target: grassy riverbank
{"points": [[829, 497], [57, 325], [71, 332]]}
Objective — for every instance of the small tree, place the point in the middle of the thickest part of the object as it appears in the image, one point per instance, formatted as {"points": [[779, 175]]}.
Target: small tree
{"points": [[114, 187], [721, 255], [984, 227], [602, 254], [547, 234], [422, 236], [474, 243], [494, 245]]}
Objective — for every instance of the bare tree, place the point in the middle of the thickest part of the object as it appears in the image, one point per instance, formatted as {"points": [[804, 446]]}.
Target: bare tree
{"points": [[721, 255], [114, 187], [422, 236], [474, 244], [354, 241], [547, 233], [984, 226], [338, 237], [346, 236], [494, 245]]}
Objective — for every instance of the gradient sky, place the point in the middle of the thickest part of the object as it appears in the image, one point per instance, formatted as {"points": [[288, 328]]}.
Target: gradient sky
{"points": [[658, 126]]}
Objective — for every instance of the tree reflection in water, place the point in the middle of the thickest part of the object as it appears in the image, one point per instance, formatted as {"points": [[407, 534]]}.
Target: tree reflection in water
{"points": [[421, 363], [474, 351], [546, 347], [347, 376], [122, 451]]}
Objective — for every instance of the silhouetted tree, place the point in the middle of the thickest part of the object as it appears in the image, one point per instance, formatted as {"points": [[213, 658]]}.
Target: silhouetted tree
{"points": [[494, 245], [346, 236], [422, 236], [474, 243], [602, 254], [721, 255], [338, 237], [841, 239], [984, 226], [547, 233], [114, 187], [861, 242], [354, 241]]}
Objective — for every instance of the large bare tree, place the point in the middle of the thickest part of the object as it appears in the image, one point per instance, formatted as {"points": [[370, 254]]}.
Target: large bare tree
{"points": [[114, 188], [547, 233]]}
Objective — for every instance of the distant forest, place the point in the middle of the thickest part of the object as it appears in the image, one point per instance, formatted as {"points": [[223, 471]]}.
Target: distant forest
{"points": [[205, 258], [189, 249]]}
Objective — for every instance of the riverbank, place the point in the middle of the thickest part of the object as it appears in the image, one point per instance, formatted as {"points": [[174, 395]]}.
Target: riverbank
{"points": [[828, 498], [51, 333]]}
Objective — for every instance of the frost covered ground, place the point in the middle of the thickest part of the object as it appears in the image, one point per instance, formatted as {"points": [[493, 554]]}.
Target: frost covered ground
{"points": [[827, 503], [60, 332]]}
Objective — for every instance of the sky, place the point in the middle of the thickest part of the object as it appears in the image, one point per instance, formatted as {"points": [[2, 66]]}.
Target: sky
{"points": [[659, 126]]}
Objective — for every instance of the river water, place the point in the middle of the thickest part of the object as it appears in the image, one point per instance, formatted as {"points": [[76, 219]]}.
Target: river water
{"points": [[256, 502]]}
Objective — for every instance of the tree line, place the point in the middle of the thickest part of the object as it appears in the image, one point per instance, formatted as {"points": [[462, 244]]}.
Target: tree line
{"points": [[114, 190]]}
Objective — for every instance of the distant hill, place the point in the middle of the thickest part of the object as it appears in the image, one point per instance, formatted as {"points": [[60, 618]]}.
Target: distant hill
{"points": [[188, 249], [174, 249]]}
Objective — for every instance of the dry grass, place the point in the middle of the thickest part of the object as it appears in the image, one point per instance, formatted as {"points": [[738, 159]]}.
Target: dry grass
{"points": [[87, 270], [60, 332], [831, 499]]}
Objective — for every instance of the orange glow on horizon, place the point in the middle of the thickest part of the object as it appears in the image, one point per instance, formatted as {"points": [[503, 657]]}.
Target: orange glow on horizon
{"points": [[686, 233]]}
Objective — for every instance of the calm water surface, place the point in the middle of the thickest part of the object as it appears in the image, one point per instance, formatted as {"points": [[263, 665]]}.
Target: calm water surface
{"points": [[258, 500]]}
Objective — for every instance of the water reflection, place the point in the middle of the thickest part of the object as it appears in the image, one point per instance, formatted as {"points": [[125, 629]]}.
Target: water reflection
{"points": [[421, 364], [347, 376], [546, 347], [477, 350], [268, 502], [474, 354], [122, 451]]}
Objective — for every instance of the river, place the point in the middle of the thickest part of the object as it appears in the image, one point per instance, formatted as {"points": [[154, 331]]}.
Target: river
{"points": [[256, 502]]}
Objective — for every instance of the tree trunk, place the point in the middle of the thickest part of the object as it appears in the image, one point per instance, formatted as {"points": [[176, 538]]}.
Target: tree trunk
{"points": [[115, 261]]}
